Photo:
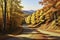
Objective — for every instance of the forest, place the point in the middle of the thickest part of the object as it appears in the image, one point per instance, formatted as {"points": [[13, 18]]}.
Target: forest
{"points": [[45, 20]]}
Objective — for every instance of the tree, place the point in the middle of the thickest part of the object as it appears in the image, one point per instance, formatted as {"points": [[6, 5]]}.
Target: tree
{"points": [[51, 12], [13, 14], [33, 19], [14, 20], [1, 11], [28, 19], [53, 4]]}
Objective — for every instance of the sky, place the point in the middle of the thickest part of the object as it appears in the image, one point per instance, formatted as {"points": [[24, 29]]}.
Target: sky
{"points": [[31, 4]]}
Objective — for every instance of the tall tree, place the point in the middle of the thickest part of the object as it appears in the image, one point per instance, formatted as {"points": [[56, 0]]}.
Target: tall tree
{"points": [[51, 3], [14, 9], [53, 11], [13, 16]]}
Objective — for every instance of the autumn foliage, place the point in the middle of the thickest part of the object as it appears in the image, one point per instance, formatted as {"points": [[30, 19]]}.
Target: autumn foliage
{"points": [[14, 16], [48, 15]]}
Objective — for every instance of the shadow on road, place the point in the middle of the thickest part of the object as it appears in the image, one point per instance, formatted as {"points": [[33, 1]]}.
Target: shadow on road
{"points": [[23, 38], [13, 38]]}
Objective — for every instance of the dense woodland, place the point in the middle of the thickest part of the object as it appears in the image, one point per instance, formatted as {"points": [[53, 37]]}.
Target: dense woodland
{"points": [[47, 17], [14, 15]]}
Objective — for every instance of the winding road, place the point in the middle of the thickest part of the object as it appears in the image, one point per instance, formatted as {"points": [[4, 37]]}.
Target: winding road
{"points": [[30, 34]]}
